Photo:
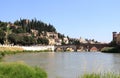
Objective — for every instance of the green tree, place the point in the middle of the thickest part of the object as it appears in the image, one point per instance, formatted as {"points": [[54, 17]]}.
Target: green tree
{"points": [[113, 43], [61, 36], [28, 40], [14, 39], [2, 36], [18, 30], [42, 41], [3, 25], [74, 41]]}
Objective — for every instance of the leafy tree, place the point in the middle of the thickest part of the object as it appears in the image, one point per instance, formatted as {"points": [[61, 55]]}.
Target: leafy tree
{"points": [[43, 41], [2, 36], [74, 41], [113, 43], [28, 40], [63, 43], [61, 36], [18, 30], [13, 38], [3, 25]]}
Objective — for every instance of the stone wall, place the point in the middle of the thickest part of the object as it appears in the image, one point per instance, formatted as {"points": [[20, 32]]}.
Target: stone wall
{"points": [[35, 48]]}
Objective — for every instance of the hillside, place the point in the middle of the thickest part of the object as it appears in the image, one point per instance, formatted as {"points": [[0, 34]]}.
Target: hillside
{"points": [[35, 32], [25, 32]]}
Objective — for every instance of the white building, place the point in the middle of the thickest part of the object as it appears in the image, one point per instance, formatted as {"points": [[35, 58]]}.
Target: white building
{"points": [[52, 35], [82, 40], [65, 40], [58, 41]]}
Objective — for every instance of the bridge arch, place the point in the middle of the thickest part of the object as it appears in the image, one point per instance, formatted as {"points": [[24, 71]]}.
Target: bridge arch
{"points": [[65, 48], [93, 49], [81, 47]]}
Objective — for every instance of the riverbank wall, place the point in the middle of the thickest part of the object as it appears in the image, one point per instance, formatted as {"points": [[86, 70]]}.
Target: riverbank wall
{"points": [[29, 48], [38, 48]]}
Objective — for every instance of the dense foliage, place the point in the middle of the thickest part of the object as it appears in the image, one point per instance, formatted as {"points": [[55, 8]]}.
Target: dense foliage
{"points": [[20, 70], [74, 41], [2, 36], [27, 25], [42, 41], [111, 50]]}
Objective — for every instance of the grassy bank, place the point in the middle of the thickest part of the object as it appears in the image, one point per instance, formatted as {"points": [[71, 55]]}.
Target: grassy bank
{"points": [[14, 50], [10, 50], [2, 49], [20, 70], [105, 75], [110, 50]]}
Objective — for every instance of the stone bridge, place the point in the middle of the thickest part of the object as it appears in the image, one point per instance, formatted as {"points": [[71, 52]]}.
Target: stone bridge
{"points": [[81, 47]]}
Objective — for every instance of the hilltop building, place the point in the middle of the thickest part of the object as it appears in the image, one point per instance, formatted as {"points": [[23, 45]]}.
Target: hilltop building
{"points": [[26, 21], [35, 32], [53, 38], [58, 41], [116, 37], [51, 41], [52, 35]]}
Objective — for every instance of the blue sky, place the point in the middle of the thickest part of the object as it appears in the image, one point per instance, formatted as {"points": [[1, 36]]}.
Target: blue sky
{"points": [[92, 19]]}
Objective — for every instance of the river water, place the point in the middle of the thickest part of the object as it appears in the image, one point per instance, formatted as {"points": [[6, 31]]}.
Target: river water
{"points": [[70, 64]]}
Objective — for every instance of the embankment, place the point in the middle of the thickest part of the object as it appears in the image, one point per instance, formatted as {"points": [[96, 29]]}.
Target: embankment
{"points": [[6, 49]]}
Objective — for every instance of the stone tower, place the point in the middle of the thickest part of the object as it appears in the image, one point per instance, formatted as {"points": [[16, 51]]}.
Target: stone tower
{"points": [[114, 36]]}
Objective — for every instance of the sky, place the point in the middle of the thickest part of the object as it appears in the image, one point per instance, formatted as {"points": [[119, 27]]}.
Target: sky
{"points": [[92, 19]]}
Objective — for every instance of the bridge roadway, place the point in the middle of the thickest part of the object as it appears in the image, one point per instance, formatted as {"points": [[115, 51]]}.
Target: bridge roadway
{"points": [[81, 47]]}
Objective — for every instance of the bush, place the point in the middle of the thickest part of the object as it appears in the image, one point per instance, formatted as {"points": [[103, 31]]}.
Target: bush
{"points": [[20, 70], [110, 50]]}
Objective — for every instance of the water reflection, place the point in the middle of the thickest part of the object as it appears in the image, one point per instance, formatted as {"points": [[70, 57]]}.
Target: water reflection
{"points": [[70, 65], [116, 63]]}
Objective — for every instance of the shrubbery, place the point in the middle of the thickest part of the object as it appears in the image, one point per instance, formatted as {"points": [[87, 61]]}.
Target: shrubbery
{"points": [[20, 70], [111, 50]]}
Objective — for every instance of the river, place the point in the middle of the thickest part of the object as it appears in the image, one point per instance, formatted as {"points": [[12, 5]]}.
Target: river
{"points": [[70, 64]]}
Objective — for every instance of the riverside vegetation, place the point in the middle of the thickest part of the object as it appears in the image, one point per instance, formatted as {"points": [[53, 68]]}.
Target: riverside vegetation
{"points": [[105, 75], [20, 70], [113, 48]]}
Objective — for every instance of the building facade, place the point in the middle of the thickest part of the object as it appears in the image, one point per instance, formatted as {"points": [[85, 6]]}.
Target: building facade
{"points": [[116, 37]]}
